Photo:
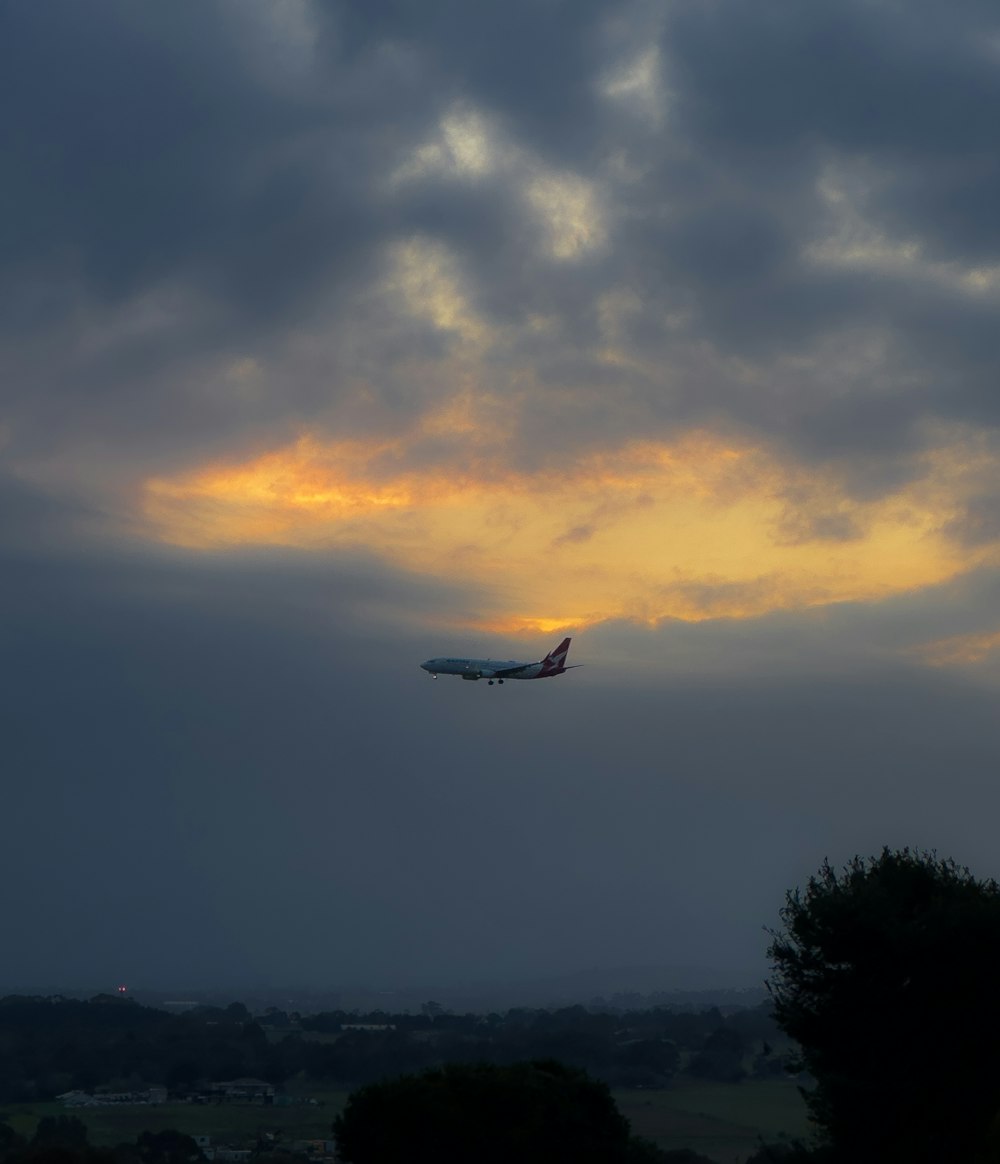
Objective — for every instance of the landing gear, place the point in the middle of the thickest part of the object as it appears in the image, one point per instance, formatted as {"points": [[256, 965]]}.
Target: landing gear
{"points": [[490, 682], [500, 681]]}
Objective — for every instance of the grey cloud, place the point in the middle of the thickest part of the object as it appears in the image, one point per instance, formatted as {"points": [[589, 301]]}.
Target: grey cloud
{"points": [[535, 62], [844, 641], [195, 749], [163, 197], [949, 203], [196, 214], [958, 345], [578, 533], [122, 128], [35, 521], [763, 100], [147, 161], [803, 526], [258, 210], [979, 522], [869, 77], [731, 245]]}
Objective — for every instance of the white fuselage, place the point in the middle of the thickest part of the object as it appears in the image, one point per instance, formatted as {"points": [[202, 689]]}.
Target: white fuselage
{"points": [[497, 670], [483, 668]]}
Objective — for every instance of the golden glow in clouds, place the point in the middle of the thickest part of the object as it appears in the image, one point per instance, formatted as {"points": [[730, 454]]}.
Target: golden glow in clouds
{"points": [[693, 529]]}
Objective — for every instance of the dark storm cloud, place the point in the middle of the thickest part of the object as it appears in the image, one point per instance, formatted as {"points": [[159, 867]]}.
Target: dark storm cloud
{"points": [[869, 77], [533, 61], [950, 201], [179, 202], [223, 169], [34, 520], [139, 143], [218, 778], [765, 100], [164, 205]]}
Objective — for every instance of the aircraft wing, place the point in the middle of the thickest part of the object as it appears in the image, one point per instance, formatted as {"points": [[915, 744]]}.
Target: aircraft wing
{"points": [[509, 672]]}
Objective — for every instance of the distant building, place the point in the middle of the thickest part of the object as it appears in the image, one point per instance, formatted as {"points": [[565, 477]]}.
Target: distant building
{"points": [[112, 1098], [243, 1090], [315, 1149], [76, 1099]]}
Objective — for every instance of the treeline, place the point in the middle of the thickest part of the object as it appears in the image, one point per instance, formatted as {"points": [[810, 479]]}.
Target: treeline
{"points": [[884, 975], [637, 1049], [63, 1140], [884, 978], [49, 1046]]}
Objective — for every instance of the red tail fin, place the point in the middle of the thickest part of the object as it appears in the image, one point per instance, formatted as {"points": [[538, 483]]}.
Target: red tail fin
{"points": [[555, 661]]}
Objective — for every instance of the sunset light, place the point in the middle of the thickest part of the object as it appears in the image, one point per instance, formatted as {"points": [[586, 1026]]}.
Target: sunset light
{"points": [[695, 529]]}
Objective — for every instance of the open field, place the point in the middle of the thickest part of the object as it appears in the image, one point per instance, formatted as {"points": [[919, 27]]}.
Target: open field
{"points": [[724, 1121], [223, 1122]]}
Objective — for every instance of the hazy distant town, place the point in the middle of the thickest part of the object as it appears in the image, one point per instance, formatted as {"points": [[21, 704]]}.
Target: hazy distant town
{"points": [[102, 1057]]}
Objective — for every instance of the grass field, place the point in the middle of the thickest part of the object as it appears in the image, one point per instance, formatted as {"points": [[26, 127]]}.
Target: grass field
{"points": [[723, 1121], [236, 1122]]}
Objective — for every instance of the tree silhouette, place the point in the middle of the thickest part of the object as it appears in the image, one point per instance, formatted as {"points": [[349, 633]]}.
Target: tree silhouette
{"points": [[535, 1113], [64, 1131], [885, 974], [167, 1147]]}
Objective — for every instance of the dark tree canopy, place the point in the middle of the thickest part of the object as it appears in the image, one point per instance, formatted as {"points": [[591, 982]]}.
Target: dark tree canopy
{"points": [[790, 1154], [886, 975], [167, 1147], [65, 1131], [536, 1113], [63, 1140]]}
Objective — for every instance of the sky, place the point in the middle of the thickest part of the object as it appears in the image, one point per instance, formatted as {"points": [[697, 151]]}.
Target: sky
{"points": [[336, 336]]}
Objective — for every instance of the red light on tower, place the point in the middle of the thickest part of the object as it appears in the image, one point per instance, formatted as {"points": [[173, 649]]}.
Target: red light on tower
{"points": [[122, 989]]}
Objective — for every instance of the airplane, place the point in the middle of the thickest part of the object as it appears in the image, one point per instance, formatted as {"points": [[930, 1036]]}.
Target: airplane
{"points": [[554, 663]]}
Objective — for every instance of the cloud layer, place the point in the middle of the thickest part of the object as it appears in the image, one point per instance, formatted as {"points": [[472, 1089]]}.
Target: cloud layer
{"points": [[336, 336]]}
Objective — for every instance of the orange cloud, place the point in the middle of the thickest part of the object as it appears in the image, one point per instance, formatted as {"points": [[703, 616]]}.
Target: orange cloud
{"points": [[961, 650], [693, 529]]}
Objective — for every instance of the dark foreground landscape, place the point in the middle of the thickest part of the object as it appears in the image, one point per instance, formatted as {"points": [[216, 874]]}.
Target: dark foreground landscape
{"points": [[705, 1080], [877, 1044]]}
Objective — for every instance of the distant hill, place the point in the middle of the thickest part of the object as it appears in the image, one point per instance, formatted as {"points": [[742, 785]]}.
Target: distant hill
{"points": [[630, 987], [626, 987]]}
